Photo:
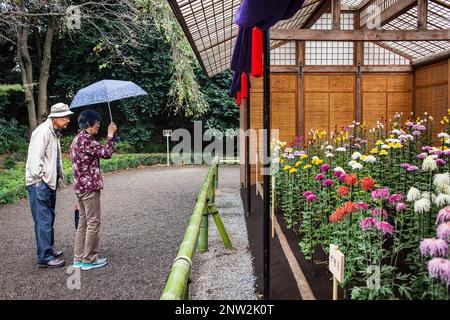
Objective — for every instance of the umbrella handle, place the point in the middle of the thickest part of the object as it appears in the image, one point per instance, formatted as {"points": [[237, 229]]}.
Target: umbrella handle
{"points": [[110, 114]]}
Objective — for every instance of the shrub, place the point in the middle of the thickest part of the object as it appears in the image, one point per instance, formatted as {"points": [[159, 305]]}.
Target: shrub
{"points": [[12, 136], [9, 162]]}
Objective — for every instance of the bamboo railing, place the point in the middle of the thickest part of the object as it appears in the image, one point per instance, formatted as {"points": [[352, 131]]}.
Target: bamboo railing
{"points": [[177, 283]]}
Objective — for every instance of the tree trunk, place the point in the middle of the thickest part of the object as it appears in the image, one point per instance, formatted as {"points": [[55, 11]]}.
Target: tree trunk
{"points": [[45, 70], [26, 69]]}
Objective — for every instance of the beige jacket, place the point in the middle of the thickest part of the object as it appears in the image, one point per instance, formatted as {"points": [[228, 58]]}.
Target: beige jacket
{"points": [[42, 156]]}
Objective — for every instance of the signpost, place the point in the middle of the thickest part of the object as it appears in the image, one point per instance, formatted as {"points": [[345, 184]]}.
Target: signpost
{"points": [[167, 134], [336, 266]]}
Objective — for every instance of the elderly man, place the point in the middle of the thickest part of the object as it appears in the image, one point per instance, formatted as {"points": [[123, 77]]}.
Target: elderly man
{"points": [[44, 171]]}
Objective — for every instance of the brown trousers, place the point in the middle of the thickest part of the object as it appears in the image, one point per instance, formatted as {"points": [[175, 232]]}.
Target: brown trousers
{"points": [[87, 237]]}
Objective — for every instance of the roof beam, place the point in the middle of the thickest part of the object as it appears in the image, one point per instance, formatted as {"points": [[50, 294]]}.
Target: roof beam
{"points": [[392, 12], [316, 14], [360, 35], [336, 14], [443, 55], [422, 14]]}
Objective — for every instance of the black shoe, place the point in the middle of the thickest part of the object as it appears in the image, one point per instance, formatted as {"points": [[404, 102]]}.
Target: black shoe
{"points": [[55, 263], [57, 253]]}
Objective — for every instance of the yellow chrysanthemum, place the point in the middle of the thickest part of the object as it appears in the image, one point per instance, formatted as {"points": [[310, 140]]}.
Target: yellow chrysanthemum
{"points": [[307, 166], [287, 168], [391, 144], [293, 170], [397, 145], [298, 163], [383, 152], [281, 161], [303, 156], [363, 157], [442, 121], [379, 142], [374, 150]]}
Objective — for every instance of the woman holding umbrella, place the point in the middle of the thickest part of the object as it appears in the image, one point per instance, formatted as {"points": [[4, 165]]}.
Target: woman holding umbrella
{"points": [[85, 153]]}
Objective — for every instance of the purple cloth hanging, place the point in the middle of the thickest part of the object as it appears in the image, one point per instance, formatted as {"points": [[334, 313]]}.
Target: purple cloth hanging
{"points": [[262, 14]]}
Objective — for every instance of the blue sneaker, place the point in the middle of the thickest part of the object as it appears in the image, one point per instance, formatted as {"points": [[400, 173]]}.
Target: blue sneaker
{"points": [[77, 264], [96, 264]]}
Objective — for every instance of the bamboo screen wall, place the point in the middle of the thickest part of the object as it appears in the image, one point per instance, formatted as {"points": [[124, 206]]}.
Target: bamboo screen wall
{"points": [[283, 110], [384, 94], [329, 101], [433, 90]]}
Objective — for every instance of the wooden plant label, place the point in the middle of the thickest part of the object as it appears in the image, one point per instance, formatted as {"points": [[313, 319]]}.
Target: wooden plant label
{"points": [[336, 262]]}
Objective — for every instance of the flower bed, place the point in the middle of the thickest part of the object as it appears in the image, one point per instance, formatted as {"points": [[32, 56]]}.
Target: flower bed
{"points": [[382, 195]]}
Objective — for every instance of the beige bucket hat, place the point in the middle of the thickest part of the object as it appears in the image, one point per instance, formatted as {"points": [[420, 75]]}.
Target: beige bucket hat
{"points": [[59, 110]]}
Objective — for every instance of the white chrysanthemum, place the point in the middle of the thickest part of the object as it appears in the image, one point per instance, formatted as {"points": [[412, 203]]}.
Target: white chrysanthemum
{"points": [[355, 165], [429, 164], [409, 137], [385, 146], [315, 158], [338, 169], [287, 150], [422, 206], [426, 195], [413, 194], [396, 131], [442, 199], [447, 141], [443, 189], [356, 155], [443, 135], [370, 159], [329, 155], [341, 149], [441, 179], [329, 147]]}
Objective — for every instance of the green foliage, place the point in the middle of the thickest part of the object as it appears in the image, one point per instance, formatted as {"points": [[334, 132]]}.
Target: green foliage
{"points": [[9, 163], [12, 136], [5, 89]]}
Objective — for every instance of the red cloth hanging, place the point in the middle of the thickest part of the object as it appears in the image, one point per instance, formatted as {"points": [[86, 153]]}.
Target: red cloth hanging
{"points": [[244, 85], [238, 98], [257, 52]]}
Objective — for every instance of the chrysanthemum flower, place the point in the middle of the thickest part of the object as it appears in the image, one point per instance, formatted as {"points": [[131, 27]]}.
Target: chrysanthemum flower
{"points": [[311, 197], [433, 247], [400, 206], [370, 159], [443, 231], [395, 198], [307, 193], [383, 152], [349, 207], [429, 164], [385, 227], [413, 194], [422, 205], [320, 176], [341, 149], [367, 183], [327, 183], [307, 166], [440, 161], [439, 268], [381, 194], [325, 167], [362, 206], [286, 168], [377, 212], [442, 199], [351, 179], [443, 215], [405, 165], [367, 223], [303, 156], [356, 155], [293, 170], [343, 191], [412, 168], [338, 214]]}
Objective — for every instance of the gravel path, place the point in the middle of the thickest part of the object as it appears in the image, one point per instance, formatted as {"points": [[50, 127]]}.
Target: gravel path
{"points": [[220, 274], [145, 213]]}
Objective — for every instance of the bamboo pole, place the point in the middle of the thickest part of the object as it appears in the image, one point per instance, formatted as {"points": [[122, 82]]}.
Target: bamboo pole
{"points": [[203, 238], [176, 285], [220, 227]]}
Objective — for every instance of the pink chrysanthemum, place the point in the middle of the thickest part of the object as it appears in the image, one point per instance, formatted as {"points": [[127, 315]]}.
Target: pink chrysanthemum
{"points": [[311, 197], [433, 247], [395, 198], [386, 227], [405, 165], [307, 193], [320, 176], [443, 231], [325, 167], [412, 168], [328, 183], [376, 212], [439, 268], [367, 223], [443, 215], [362, 206], [440, 161], [400, 207], [381, 193]]}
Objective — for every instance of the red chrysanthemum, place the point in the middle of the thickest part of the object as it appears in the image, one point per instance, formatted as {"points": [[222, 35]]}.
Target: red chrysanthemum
{"points": [[349, 207], [351, 179], [367, 183], [343, 191]]}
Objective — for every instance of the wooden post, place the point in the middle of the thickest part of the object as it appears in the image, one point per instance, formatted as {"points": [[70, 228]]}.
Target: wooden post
{"points": [[359, 63], [335, 288], [422, 14], [336, 12], [273, 206], [300, 98]]}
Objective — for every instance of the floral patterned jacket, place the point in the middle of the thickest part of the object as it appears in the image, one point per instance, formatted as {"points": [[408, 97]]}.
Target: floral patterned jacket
{"points": [[85, 153]]}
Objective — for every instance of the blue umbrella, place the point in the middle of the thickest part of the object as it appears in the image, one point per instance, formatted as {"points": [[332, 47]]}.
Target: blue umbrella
{"points": [[106, 91]]}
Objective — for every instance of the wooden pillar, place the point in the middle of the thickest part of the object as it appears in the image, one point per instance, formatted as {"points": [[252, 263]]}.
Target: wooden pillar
{"points": [[422, 14], [336, 13], [358, 85], [300, 129], [414, 95]]}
